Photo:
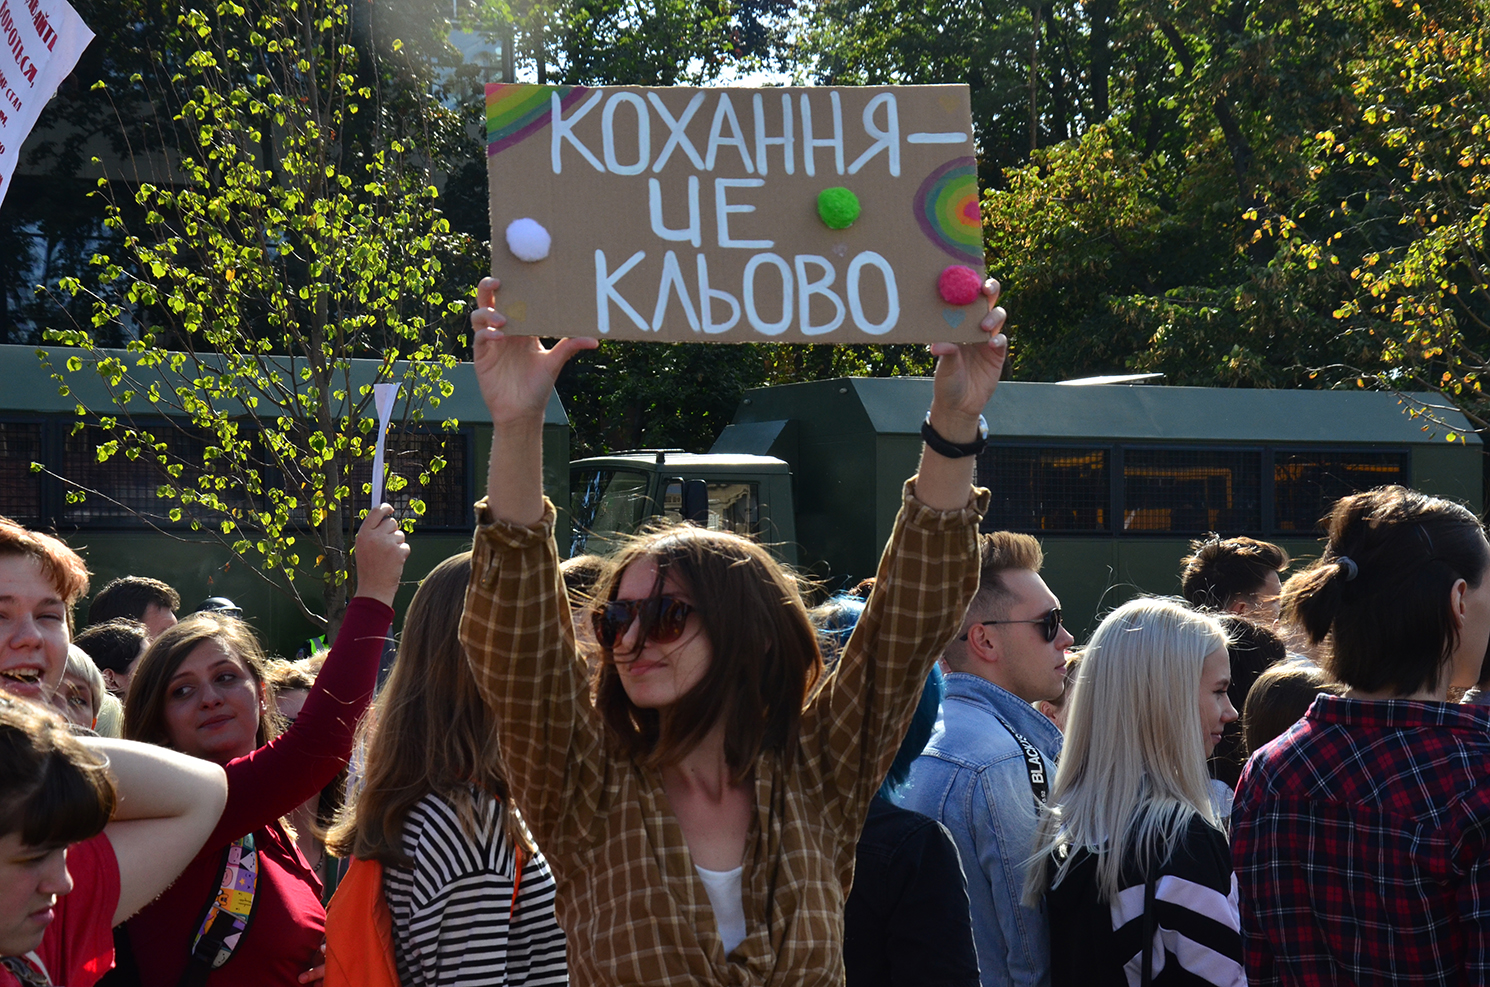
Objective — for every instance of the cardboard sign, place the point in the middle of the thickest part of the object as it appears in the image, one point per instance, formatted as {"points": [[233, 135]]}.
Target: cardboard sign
{"points": [[42, 40], [694, 214]]}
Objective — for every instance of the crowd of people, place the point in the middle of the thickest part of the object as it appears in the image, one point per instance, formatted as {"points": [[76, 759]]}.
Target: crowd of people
{"points": [[665, 767]]}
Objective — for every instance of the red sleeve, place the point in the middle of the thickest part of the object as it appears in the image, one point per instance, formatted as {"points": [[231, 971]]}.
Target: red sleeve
{"points": [[78, 947], [271, 781]]}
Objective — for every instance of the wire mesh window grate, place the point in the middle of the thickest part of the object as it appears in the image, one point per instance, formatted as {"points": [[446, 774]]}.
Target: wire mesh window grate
{"points": [[1192, 490], [447, 500], [123, 489], [1306, 483], [20, 489], [1046, 489]]}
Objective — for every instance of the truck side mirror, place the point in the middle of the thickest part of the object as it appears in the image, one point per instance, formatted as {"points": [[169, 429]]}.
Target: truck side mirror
{"points": [[696, 502]]}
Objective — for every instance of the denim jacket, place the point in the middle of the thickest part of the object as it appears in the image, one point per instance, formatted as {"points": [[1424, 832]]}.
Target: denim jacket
{"points": [[973, 778]]}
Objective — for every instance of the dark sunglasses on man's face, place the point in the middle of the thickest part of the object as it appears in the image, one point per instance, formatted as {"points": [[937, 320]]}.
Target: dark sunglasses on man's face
{"points": [[663, 619], [1050, 624]]}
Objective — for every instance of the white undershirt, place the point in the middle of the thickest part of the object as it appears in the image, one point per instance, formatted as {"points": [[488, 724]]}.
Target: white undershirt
{"points": [[727, 896]]}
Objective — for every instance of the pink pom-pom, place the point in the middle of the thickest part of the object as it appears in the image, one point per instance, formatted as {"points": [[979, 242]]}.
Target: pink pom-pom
{"points": [[959, 285]]}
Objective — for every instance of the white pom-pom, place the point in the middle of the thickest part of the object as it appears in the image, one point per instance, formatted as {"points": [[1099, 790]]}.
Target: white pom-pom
{"points": [[528, 240]]}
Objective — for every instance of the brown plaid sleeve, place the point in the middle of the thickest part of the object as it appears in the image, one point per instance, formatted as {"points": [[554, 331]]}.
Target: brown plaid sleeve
{"points": [[926, 578], [518, 636]]}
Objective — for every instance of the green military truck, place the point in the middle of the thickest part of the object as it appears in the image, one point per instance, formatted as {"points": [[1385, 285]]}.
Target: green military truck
{"points": [[1115, 480]]}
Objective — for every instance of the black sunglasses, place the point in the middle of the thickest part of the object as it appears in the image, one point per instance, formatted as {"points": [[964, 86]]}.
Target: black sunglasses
{"points": [[663, 619], [1050, 624]]}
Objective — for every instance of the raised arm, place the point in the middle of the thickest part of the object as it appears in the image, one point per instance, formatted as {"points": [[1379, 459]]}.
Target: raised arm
{"points": [[517, 376], [926, 576], [966, 375], [167, 804], [516, 627], [271, 781]]}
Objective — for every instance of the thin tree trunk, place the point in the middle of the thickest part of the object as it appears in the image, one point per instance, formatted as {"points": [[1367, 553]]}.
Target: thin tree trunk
{"points": [[1101, 14], [1236, 143], [1034, 81]]}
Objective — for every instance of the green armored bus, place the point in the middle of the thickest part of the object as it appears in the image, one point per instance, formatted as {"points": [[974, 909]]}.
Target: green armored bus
{"points": [[1114, 479]]}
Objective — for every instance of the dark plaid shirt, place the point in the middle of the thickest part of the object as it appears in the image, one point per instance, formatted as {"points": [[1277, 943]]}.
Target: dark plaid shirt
{"points": [[1360, 846]]}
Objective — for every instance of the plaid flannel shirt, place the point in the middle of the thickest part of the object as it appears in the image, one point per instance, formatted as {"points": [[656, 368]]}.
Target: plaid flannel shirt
{"points": [[634, 909], [1359, 839]]}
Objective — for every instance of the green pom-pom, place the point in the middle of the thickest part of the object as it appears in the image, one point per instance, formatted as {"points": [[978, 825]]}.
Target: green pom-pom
{"points": [[838, 207]]}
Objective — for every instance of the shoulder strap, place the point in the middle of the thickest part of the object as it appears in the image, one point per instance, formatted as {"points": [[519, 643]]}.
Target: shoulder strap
{"points": [[1034, 764], [1148, 931], [30, 976], [227, 915], [517, 878]]}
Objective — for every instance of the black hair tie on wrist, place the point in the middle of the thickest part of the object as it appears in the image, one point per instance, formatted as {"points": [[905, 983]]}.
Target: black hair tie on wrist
{"points": [[1348, 564]]}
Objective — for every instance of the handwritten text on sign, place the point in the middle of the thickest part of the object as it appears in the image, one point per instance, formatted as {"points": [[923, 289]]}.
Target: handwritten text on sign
{"points": [[733, 215]]}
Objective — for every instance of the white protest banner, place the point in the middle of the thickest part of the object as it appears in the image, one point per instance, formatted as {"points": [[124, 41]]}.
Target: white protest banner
{"points": [[823, 214], [42, 40], [383, 397]]}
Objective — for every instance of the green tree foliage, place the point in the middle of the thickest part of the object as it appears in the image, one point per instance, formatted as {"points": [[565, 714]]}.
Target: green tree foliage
{"points": [[299, 227], [1424, 137], [1172, 214], [628, 395]]}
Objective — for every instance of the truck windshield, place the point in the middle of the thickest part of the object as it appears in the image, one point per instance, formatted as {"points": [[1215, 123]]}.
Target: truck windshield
{"points": [[603, 503]]}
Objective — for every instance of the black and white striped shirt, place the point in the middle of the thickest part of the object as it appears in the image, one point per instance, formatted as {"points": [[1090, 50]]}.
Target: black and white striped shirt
{"points": [[455, 917], [1197, 927]]}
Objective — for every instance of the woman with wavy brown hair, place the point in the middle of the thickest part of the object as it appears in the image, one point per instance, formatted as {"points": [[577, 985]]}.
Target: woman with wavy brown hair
{"points": [[471, 901], [701, 815]]}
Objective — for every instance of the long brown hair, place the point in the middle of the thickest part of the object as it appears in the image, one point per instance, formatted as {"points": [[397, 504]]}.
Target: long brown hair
{"points": [[765, 660], [144, 709], [430, 730]]}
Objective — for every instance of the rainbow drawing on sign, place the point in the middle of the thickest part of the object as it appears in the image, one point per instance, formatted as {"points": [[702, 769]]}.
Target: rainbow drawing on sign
{"points": [[515, 110], [946, 206]]}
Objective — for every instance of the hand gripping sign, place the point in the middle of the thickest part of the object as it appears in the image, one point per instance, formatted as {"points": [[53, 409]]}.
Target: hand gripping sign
{"points": [[826, 215]]}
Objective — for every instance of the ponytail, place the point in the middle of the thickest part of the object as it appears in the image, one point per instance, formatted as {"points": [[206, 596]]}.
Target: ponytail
{"points": [[1312, 598], [1381, 590]]}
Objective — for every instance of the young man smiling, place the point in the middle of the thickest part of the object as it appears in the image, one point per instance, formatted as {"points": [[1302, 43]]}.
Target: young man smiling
{"points": [[40, 580], [992, 759]]}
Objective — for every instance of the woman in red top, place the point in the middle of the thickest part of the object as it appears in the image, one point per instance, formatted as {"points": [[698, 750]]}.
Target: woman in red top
{"points": [[200, 690]]}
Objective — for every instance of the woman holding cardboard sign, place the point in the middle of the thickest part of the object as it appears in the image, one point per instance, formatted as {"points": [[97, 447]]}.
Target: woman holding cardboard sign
{"points": [[701, 814]]}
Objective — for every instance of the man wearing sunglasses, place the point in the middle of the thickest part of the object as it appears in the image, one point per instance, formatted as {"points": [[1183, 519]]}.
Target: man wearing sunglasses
{"points": [[991, 761]]}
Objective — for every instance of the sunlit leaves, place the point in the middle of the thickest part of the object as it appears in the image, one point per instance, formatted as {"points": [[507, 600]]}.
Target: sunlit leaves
{"points": [[290, 242]]}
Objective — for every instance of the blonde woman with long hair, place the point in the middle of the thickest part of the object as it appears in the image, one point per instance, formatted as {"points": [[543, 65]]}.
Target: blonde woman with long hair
{"points": [[1131, 859]]}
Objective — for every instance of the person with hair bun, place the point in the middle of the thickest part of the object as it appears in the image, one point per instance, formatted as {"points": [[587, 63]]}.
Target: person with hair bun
{"points": [[1361, 836], [1234, 575]]}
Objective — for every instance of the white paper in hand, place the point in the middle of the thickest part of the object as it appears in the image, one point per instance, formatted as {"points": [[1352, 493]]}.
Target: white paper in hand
{"points": [[383, 396]]}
